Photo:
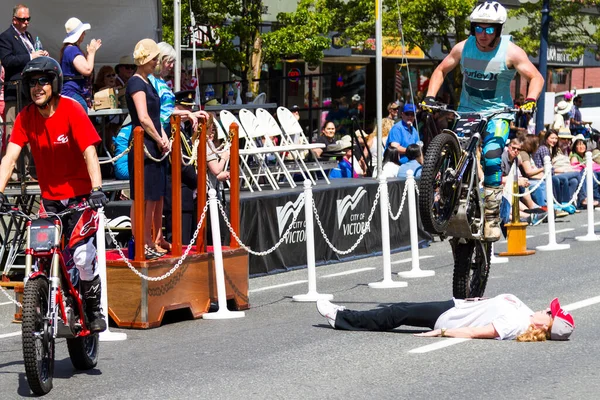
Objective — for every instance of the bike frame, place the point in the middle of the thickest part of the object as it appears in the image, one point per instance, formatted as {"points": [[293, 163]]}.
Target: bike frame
{"points": [[57, 277]]}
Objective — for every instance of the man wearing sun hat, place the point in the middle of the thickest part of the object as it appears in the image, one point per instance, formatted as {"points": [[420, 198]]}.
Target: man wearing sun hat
{"points": [[403, 133], [503, 317], [125, 70]]}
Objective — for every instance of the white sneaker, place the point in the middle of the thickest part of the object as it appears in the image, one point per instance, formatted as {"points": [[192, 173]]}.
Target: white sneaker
{"points": [[329, 310]]}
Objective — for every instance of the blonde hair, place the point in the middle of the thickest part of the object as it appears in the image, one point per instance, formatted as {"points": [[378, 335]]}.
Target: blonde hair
{"points": [[535, 334], [386, 126], [165, 52]]}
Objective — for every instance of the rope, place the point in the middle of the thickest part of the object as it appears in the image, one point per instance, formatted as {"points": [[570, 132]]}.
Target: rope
{"points": [[115, 158], [528, 190]]}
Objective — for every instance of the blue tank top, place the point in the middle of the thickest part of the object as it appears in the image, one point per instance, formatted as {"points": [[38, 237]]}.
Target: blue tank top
{"points": [[486, 78]]}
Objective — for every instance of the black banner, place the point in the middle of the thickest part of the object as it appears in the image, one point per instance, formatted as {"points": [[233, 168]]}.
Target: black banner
{"points": [[343, 209]]}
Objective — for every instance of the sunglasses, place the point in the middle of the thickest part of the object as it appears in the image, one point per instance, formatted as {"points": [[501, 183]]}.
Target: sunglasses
{"points": [[488, 30], [42, 81], [129, 66], [110, 75], [515, 148], [22, 19], [409, 114]]}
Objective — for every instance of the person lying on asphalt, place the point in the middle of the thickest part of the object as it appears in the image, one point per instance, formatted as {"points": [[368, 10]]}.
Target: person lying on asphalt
{"points": [[503, 317]]}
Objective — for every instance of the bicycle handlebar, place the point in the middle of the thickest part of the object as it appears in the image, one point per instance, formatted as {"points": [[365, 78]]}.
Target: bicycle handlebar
{"points": [[14, 210], [444, 108]]}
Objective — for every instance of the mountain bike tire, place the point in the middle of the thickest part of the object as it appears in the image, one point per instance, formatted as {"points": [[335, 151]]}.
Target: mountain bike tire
{"points": [[436, 200], [472, 259]]}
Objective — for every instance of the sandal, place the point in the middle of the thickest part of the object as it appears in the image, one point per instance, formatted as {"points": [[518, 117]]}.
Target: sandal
{"points": [[151, 253], [163, 246]]}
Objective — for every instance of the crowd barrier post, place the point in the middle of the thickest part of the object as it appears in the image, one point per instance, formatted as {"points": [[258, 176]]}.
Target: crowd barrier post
{"points": [[552, 245], [589, 170], [416, 271], [385, 240], [138, 190], [223, 312], [107, 335], [176, 205], [312, 294], [497, 260]]}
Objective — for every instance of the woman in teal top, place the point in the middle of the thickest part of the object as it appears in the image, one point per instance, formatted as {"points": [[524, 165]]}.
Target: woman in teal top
{"points": [[167, 97]]}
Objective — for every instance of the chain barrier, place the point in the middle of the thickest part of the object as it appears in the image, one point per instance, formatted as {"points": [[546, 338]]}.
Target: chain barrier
{"points": [[596, 179], [115, 158], [175, 267], [527, 191], [272, 249], [163, 156], [362, 233], [395, 217], [5, 292], [575, 195]]}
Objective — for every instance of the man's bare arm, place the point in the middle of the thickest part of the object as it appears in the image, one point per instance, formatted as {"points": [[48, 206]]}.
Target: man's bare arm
{"points": [[451, 61], [517, 58], [8, 163], [93, 166], [481, 332]]}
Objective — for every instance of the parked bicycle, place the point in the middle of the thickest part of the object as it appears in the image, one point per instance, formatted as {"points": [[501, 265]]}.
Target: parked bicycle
{"points": [[451, 200], [52, 303]]}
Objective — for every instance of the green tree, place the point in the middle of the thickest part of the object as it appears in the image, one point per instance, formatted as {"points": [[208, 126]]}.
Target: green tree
{"points": [[573, 23]]}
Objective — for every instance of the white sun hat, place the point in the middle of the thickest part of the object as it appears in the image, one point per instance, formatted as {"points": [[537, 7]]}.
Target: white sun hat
{"points": [[75, 28]]}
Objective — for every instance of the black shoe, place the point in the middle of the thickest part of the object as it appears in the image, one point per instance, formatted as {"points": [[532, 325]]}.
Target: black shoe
{"points": [[97, 322]]}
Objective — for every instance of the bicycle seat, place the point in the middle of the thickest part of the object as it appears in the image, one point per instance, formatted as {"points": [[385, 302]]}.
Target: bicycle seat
{"points": [[468, 124]]}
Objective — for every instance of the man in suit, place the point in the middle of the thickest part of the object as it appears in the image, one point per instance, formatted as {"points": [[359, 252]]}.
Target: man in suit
{"points": [[16, 50]]}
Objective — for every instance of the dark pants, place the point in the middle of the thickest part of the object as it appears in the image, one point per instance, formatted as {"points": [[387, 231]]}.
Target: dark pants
{"points": [[423, 315]]}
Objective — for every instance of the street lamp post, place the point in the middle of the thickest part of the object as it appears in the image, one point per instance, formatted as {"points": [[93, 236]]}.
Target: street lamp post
{"points": [[543, 60]]}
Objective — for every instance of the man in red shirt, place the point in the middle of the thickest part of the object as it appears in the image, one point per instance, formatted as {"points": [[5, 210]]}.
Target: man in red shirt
{"points": [[62, 141]]}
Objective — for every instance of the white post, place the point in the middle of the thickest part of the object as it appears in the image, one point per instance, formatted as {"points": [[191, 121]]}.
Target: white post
{"points": [[497, 260], [385, 239], [223, 312], [589, 172], [552, 245], [312, 294], [415, 272], [107, 335]]}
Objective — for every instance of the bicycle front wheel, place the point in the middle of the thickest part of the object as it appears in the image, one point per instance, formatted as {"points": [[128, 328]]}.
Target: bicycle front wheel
{"points": [[436, 196], [38, 343]]}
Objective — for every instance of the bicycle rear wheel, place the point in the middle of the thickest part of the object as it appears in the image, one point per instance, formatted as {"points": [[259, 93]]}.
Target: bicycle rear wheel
{"points": [[472, 260], [436, 196], [38, 343]]}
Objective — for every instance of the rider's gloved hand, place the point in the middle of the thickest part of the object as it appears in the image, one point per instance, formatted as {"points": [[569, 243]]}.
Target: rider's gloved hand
{"points": [[429, 101], [3, 202], [97, 198], [529, 105]]}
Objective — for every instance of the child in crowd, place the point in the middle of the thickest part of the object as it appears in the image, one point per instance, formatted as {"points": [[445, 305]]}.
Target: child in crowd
{"points": [[415, 162]]}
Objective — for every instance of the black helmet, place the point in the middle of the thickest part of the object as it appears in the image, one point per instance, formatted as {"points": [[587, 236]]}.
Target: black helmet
{"points": [[44, 65]]}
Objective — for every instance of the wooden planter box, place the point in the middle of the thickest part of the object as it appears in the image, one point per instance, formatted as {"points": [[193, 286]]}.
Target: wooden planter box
{"points": [[137, 303]]}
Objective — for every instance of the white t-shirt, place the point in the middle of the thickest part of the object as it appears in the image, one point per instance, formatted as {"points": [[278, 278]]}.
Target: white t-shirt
{"points": [[390, 169], [506, 312]]}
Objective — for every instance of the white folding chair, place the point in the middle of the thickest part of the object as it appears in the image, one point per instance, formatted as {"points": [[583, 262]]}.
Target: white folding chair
{"points": [[258, 155], [222, 136], [260, 139], [295, 134], [297, 150]]}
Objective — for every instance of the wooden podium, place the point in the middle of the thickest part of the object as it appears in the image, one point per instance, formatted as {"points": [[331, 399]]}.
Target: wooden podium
{"points": [[134, 302], [137, 303]]}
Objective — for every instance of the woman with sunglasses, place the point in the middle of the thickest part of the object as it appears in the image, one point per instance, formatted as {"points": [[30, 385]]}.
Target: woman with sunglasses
{"points": [[503, 317], [489, 62], [106, 78]]}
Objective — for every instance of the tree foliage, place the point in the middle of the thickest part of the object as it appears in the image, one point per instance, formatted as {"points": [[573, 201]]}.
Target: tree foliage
{"points": [[574, 24]]}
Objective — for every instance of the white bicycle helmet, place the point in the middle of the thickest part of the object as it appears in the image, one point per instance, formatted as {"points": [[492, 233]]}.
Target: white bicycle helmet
{"points": [[490, 12]]}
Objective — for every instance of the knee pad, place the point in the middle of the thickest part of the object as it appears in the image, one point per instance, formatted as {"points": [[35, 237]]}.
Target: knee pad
{"points": [[84, 257]]}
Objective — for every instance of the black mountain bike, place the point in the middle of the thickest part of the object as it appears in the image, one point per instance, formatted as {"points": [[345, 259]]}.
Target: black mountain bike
{"points": [[451, 202]]}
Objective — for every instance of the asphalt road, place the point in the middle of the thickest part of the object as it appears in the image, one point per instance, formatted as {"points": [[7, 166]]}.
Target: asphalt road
{"points": [[286, 350]]}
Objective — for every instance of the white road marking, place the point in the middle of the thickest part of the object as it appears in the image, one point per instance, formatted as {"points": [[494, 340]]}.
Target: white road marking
{"points": [[277, 286], [406, 260], [595, 223], [352, 271], [438, 345], [560, 231], [8, 302], [453, 341], [5, 335]]}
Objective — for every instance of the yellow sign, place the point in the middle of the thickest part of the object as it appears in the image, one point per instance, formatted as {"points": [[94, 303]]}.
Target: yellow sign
{"points": [[391, 48]]}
